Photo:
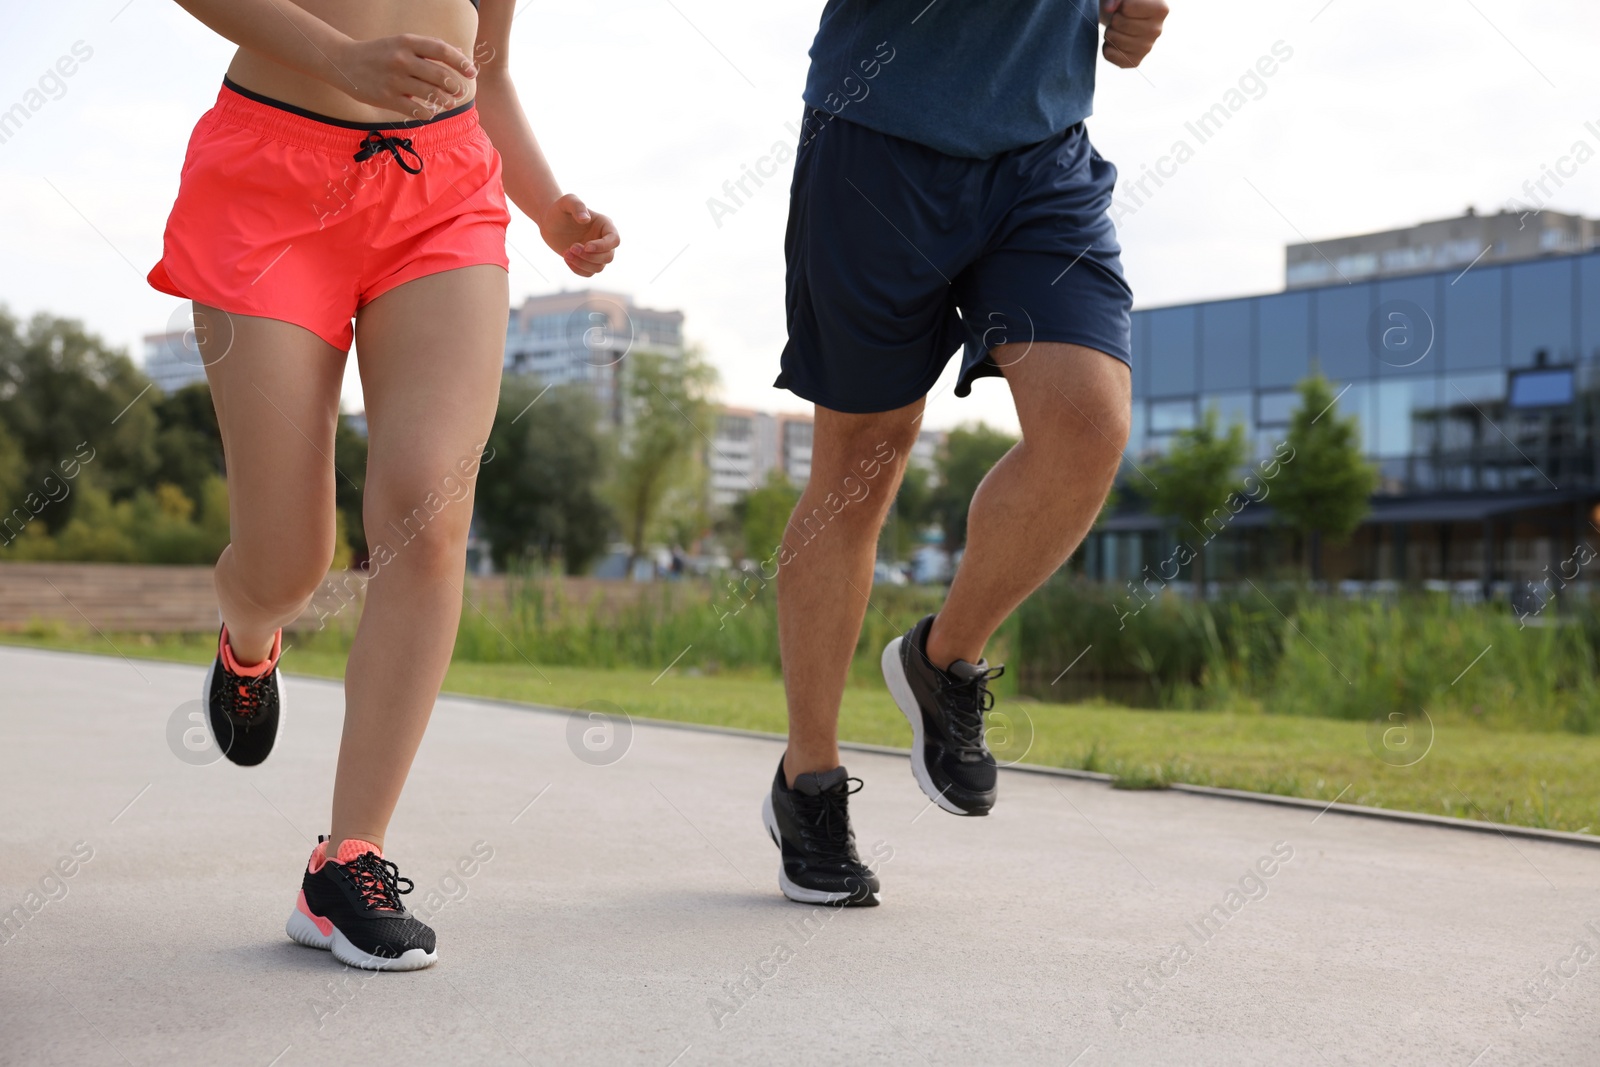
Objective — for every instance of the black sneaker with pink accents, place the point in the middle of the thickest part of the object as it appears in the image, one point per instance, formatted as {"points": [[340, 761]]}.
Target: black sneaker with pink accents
{"points": [[245, 705], [353, 909]]}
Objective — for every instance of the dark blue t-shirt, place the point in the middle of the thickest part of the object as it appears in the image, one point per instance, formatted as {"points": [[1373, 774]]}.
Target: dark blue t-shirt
{"points": [[967, 77]]}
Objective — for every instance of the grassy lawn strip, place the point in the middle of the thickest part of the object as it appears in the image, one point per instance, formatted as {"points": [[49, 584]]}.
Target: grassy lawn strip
{"points": [[1549, 780]]}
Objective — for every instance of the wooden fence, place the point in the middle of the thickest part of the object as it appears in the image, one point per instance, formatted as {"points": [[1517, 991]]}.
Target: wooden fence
{"points": [[161, 599]]}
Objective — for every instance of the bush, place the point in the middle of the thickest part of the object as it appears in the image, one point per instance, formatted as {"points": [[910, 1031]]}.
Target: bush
{"points": [[159, 526], [1304, 654]]}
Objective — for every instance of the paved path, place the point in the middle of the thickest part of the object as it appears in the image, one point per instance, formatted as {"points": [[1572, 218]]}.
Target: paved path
{"points": [[628, 913]]}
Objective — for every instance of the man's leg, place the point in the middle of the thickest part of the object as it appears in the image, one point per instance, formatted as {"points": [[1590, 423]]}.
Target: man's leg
{"points": [[1038, 502], [823, 588]]}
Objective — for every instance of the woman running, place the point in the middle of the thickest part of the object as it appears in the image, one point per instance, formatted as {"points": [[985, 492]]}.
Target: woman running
{"points": [[356, 165]]}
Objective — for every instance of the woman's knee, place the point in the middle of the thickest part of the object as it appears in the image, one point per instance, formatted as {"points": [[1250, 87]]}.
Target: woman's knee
{"points": [[423, 530], [282, 581]]}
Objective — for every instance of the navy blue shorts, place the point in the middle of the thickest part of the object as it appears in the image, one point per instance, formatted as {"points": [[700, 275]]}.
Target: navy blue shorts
{"points": [[899, 254]]}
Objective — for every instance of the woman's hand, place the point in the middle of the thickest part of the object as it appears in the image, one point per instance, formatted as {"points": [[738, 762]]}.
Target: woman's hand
{"points": [[587, 241], [413, 75]]}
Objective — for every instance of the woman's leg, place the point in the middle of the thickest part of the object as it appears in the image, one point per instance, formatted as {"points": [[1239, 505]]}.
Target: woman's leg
{"points": [[430, 354], [276, 390]]}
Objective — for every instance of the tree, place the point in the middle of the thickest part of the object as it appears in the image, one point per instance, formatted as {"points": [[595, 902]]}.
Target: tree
{"points": [[969, 452], [666, 426], [913, 510], [188, 445], [1325, 485], [13, 471], [538, 487], [1193, 482], [763, 515], [349, 487], [60, 387]]}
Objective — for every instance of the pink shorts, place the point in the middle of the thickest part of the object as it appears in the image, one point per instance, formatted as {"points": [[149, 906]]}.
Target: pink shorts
{"points": [[285, 214]]}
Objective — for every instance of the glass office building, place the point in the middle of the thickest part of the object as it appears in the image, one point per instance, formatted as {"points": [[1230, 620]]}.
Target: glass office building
{"points": [[1478, 396]]}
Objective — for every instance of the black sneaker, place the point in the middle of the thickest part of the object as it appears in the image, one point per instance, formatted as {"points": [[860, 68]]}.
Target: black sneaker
{"points": [[949, 756], [246, 713], [810, 824], [354, 909]]}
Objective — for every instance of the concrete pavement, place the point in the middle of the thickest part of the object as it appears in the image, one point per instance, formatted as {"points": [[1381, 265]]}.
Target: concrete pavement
{"points": [[606, 910]]}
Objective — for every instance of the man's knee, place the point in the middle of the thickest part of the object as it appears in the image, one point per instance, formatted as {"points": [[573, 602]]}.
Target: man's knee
{"points": [[858, 493], [865, 451], [1090, 422]]}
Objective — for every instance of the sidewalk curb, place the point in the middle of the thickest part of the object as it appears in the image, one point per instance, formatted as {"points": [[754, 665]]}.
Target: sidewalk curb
{"points": [[1560, 837], [1444, 822]]}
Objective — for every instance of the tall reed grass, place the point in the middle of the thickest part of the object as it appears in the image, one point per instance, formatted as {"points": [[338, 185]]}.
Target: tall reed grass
{"points": [[1290, 651], [1279, 649]]}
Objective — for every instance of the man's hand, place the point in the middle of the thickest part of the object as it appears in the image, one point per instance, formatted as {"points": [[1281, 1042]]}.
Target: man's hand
{"points": [[586, 241], [1132, 27]]}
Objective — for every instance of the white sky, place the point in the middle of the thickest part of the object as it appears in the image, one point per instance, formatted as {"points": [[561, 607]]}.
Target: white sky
{"points": [[1387, 114]]}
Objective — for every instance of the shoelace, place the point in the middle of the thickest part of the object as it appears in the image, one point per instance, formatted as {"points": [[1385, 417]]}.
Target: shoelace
{"points": [[825, 821], [378, 881], [246, 702], [376, 142], [965, 704]]}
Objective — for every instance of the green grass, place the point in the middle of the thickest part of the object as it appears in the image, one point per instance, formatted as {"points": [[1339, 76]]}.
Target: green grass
{"points": [[1543, 779]]}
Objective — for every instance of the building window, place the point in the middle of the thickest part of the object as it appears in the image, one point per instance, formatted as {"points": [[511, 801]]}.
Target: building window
{"points": [[1343, 316], [1405, 330], [1225, 347], [1589, 307], [1139, 348], [1405, 418], [1136, 431], [1170, 416], [1284, 343], [1231, 408], [1473, 317], [1276, 407], [733, 428], [1542, 388], [1172, 351], [1541, 312]]}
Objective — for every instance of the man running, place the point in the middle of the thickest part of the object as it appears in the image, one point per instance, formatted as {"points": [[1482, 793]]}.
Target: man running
{"points": [[946, 196]]}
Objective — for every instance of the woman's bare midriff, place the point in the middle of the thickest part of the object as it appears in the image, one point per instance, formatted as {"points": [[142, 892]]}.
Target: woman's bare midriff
{"points": [[453, 21]]}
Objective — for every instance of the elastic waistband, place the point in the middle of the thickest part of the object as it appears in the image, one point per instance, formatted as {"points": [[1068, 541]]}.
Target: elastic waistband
{"points": [[307, 129]]}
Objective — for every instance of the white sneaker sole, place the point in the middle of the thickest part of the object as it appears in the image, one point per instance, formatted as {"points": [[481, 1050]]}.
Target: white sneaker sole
{"points": [[796, 893], [894, 675], [301, 929]]}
